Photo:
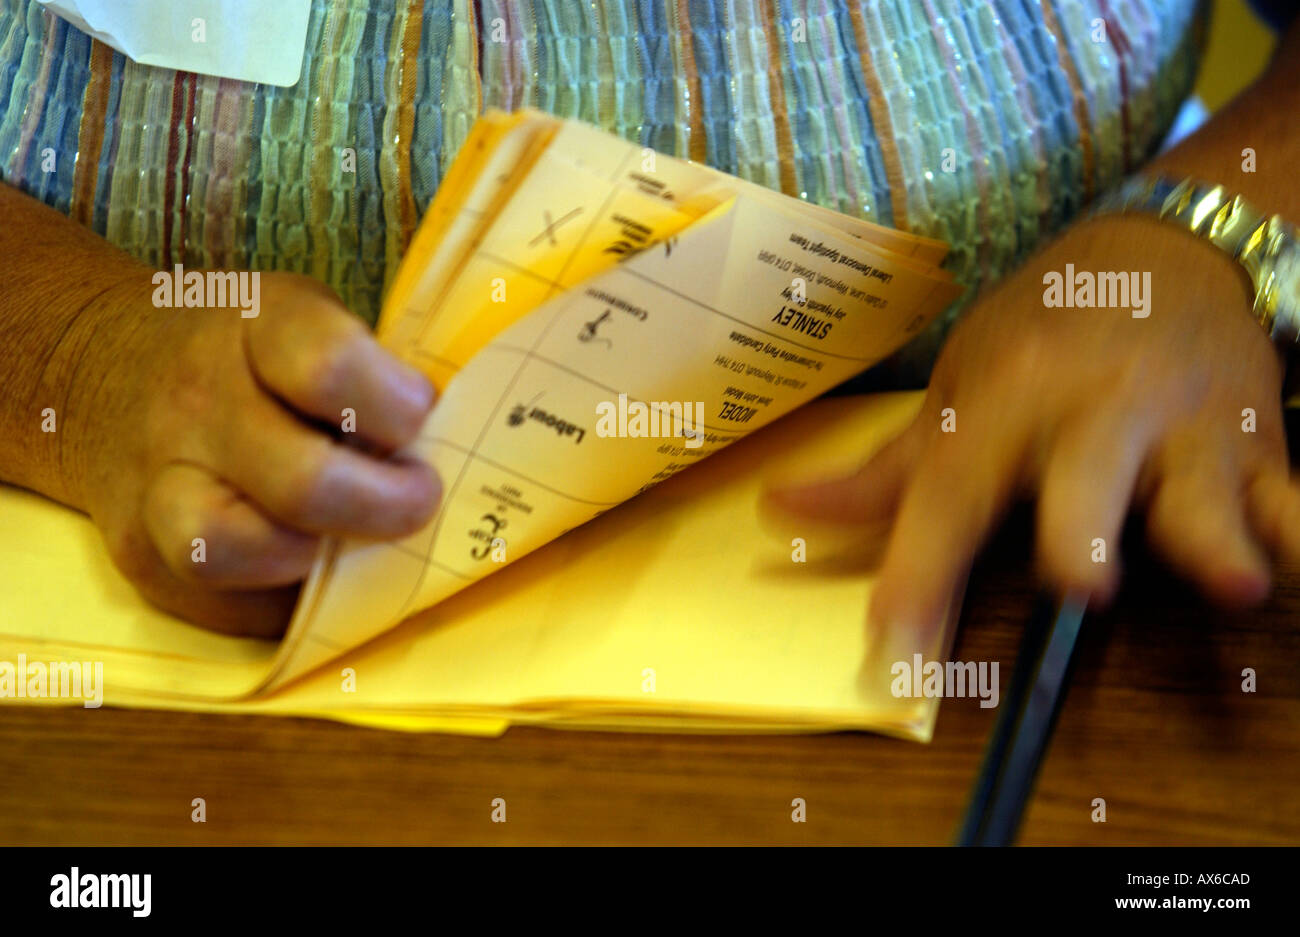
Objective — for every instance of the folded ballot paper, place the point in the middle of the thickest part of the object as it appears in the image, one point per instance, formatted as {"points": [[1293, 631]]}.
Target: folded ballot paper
{"points": [[606, 327]]}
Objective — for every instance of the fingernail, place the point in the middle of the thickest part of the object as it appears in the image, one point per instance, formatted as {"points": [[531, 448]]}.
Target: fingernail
{"points": [[887, 649], [422, 496], [901, 641], [774, 512], [1245, 585], [416, 388], [899, 633]]}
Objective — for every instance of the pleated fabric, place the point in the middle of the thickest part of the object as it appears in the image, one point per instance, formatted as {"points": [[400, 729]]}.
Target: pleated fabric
{"points": [[986, 123]]}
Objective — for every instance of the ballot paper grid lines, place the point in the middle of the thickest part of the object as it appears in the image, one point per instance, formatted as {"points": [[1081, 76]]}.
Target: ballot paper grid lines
{"points": [[718, 312], [555, 287], [472, 456], [502, 346], [690, 299], [443, 441], [427, 315]]}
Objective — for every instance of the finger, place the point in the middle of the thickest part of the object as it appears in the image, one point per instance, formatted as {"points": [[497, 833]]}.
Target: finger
{"points": [[846, 517], [868, 496], [1196, 520], [1084, 495], [962, 484], [239, 613], [207, 533], [319, 358], [1273, 511], [308, 481]]}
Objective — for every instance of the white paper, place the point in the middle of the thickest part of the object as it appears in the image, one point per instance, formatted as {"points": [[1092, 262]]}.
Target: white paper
{"points": [[250, 40]]}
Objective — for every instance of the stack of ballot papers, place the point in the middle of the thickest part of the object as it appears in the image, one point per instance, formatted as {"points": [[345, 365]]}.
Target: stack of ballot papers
{"points": [[611, 331]]}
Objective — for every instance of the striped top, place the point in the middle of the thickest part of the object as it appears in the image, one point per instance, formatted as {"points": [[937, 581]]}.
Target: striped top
{"points": [[986, 123]]}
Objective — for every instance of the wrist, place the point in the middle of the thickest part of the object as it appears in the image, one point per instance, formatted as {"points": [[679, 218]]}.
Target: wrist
{"points": [[1266, 246], [86, 373], [1192, 280]]}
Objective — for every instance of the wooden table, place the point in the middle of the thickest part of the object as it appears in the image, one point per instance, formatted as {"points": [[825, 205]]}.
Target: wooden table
{"points": [[1156, 724]]}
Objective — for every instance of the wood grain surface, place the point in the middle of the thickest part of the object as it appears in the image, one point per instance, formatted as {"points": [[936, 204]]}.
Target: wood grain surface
{"points": [[1156, 723]]}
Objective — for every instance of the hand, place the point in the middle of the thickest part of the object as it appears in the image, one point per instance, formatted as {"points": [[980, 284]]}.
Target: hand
{"points": [[1087, 410], [207, 425]]}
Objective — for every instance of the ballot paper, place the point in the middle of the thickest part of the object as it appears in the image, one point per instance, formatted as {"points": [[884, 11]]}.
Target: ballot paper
{"points": [[605, 325]]}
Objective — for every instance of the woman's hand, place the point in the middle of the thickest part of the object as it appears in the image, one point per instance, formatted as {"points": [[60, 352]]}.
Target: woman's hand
{"points": [[1087, 410], [208, 428]]}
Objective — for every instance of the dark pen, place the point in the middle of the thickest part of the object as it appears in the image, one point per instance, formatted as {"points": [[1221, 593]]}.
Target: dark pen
{"points": [[1024, 727]]}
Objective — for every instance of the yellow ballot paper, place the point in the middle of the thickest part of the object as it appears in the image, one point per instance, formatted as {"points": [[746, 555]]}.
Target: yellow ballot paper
{"points": [[606, 325]]}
